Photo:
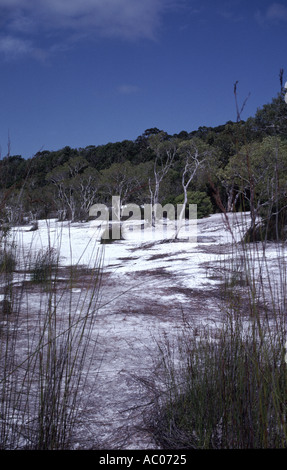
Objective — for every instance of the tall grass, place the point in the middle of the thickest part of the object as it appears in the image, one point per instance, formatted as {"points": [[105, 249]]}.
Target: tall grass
{"points": [[46, 350], [226, 386]]}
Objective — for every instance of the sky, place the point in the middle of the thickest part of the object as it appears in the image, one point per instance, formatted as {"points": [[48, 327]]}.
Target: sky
{"points": [[88, 72]]}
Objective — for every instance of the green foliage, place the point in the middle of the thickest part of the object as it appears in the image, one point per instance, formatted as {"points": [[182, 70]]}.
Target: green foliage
{"points": [[258, 173], [204, 205], [230, 396], [47, 349], [226, 383], [119, 180], [12, 171], [269, 120], [225, 138], [68, 181]]}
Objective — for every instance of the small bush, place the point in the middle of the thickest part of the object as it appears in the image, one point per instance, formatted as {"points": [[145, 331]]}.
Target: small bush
{"points": [[5, 307], [270, 229], [47, 349], [226, 386], [204, 205], [231, 394], [7, 261], [45, 262]]}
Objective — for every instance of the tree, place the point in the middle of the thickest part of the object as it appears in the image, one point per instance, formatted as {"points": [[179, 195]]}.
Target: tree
{"points": [[13, 170], [165, 152], [259, 173], [193, 153], [120, 179], [270, 120], [59, 177], [77, 185], [228, 181], [86, 187], [202, 201]]}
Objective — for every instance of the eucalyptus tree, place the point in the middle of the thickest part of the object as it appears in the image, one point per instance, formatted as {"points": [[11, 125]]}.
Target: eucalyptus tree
{"points": [[118, 180], [165, 151], [259, 172], [193, 154], [271, 119], [76, 186]]}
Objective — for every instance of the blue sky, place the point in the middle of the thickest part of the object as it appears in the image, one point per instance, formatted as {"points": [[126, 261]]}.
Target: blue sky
{"points": [[89, 72]]}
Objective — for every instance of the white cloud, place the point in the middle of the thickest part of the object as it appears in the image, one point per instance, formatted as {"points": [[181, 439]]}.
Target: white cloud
{"points": [[121, 18], [21, 24], [15, 46], [60, 23], [275, 12]]}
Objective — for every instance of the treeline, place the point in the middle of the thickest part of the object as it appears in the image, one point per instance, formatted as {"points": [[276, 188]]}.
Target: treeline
{"points": [[235, 166]]}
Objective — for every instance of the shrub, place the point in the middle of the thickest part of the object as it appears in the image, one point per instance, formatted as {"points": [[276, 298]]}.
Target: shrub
{"points": [[7, 261], [47, 350], [231, 394], [5, 307], [44, 264], [226, 386], [204, 205]]}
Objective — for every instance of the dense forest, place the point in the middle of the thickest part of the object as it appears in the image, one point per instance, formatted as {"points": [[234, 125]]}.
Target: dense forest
{"points": [[239, 165]]}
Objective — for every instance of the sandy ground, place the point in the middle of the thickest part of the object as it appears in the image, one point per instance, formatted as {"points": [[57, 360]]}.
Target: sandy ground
{"points": [[149, 290]]}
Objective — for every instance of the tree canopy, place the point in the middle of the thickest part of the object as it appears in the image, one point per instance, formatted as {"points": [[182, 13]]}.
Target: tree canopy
{"points": [[246, 168]]}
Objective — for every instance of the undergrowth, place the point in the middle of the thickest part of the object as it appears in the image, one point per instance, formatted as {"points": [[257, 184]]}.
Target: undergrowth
{"points": [[47, 347], [226, 386]]}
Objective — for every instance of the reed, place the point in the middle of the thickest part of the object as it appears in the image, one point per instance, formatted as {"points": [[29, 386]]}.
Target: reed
{"points": [[46, 350], [226, 387]]}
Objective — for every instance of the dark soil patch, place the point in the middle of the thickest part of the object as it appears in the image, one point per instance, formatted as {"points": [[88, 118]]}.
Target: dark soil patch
{"points": [[148, 309], [159, 256], [148, 245], [158, 272], [62, 279], [168, 256], [217, 249], [206, 240]]}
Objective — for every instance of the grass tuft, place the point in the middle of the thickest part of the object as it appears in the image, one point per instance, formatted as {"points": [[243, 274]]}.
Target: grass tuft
{"points": [[226, 386]]}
